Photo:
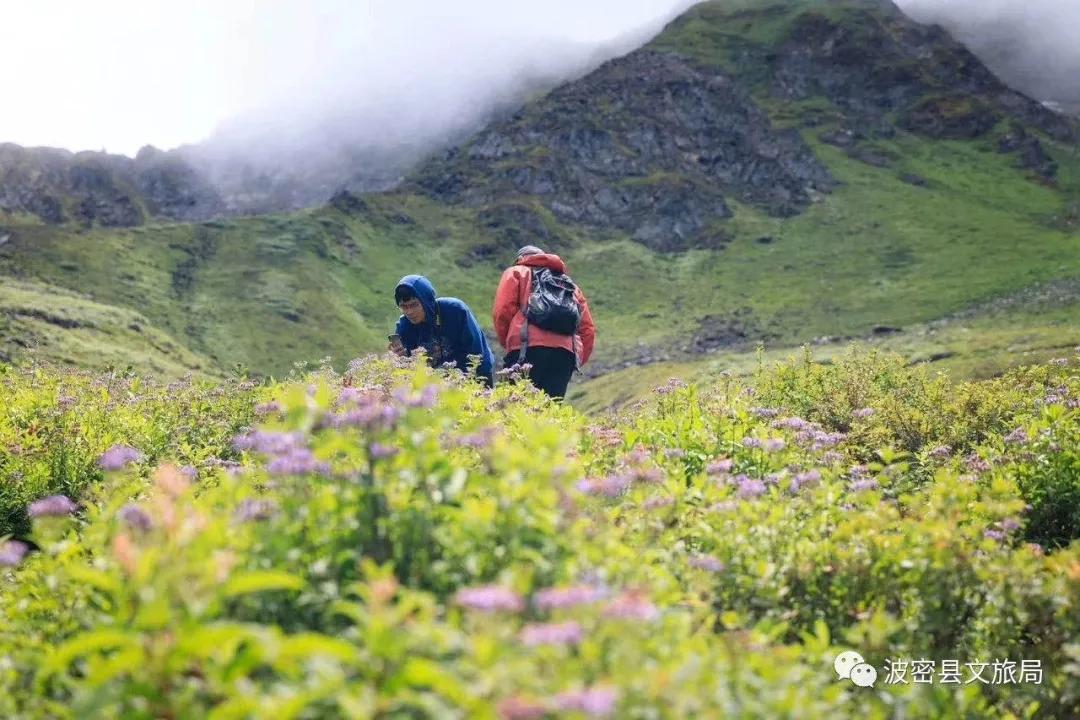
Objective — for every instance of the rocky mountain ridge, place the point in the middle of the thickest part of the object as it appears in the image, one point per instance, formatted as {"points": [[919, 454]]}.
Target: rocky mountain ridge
{"points": [[658, 142], [91, 188]]}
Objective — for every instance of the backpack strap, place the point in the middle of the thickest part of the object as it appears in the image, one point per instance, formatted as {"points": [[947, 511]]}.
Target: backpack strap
{"points": [[525, 319]]}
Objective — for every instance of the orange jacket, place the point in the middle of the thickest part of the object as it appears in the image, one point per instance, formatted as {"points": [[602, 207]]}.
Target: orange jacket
{"points": [[513, 294]]}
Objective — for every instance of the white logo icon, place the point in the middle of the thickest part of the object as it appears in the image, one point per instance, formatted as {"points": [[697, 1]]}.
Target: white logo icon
{"points": [[850, 665], [845, 661], [864, 675]]}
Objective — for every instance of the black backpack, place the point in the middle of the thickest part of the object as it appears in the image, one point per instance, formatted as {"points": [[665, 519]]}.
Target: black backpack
{"points": [[552, 305]]}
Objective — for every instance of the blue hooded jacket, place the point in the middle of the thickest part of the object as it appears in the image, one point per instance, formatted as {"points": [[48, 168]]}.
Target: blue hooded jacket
{"points": [[449, 332]]}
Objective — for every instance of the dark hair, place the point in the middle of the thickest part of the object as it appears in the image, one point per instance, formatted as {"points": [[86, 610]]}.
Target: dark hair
{"points": [[403, 293]]}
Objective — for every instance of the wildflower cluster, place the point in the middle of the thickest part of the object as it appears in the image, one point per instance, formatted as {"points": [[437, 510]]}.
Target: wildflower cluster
{"points": [[397, 541]]}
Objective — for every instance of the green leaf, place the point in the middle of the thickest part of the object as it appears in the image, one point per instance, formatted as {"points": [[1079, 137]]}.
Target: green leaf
{"points": [[421, 672], [84, 644], [82, 575], [261, 581], [309, 645]]}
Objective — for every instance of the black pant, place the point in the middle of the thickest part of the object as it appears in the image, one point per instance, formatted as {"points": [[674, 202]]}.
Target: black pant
{"points": [[551, 368]]}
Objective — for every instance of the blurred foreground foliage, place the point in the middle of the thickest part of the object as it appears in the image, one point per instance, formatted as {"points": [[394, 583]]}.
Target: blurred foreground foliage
{"points": [[397, 542]]}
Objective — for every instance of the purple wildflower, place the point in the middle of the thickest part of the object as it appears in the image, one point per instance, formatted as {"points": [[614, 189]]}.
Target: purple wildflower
{"points": [[606, 436], [764, 412], [674, 453], [1060, 361], [297, 461], [116, 457], [489, 598], [270, 442], [54, 505], [368, 415], [720, 466], [12, 552], [268, 408], [382, 452], [518, 708], [1018, 436], [832, 458], [135, 517], [1009, 524], [941, 452], [631, 605], [349, 396], [706, 562], [863, 413], [426, 398], [994, 535], [658, 501], [751, 442], [594, 701], [823, 440], [568, 596], [810, 477], [749, 487], [611, 486], [478, 440], [723, 506], [189, 472], [792, 423], [864, 484], [647, 475], [774, 444], [567, 633], [976, 464], [672, 385], [253, 510]]}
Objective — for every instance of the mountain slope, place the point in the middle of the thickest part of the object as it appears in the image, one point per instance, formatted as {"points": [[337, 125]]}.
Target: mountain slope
{"points": [[744, 178], [89, 188]]}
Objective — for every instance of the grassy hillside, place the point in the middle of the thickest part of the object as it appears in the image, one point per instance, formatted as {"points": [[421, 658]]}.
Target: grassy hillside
{"points": [[981, 343], [917, 228], [878, 251]]}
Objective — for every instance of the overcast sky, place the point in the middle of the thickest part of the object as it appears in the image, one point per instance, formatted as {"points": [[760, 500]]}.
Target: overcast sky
{"points": [[118, 74]]}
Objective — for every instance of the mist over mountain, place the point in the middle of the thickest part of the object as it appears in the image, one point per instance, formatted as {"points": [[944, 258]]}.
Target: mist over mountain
{"points": [[367, 131], [354, 101], [370, 119], [1033, 45]]}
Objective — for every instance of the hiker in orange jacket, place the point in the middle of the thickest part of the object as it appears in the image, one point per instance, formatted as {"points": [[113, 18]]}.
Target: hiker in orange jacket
{"points": [[553, 356]]}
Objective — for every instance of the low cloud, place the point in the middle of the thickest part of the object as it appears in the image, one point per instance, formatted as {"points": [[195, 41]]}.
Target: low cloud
{"points": [[1033, 45]]}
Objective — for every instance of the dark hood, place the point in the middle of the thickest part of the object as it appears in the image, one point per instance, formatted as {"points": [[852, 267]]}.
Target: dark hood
{"points": [[424, 291]]}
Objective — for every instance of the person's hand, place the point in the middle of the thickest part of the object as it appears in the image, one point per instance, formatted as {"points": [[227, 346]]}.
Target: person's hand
{"points": [[398, 350]]}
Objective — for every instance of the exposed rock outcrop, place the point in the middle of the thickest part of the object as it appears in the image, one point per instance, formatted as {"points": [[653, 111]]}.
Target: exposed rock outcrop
{"points": [[650, 144]]}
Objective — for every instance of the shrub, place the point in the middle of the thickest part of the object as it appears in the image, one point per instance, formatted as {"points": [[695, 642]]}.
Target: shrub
{"points": [[397, 542]]}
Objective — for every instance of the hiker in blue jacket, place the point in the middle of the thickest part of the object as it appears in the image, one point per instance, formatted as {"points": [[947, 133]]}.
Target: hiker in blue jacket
{"points": [[444, 327]]}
